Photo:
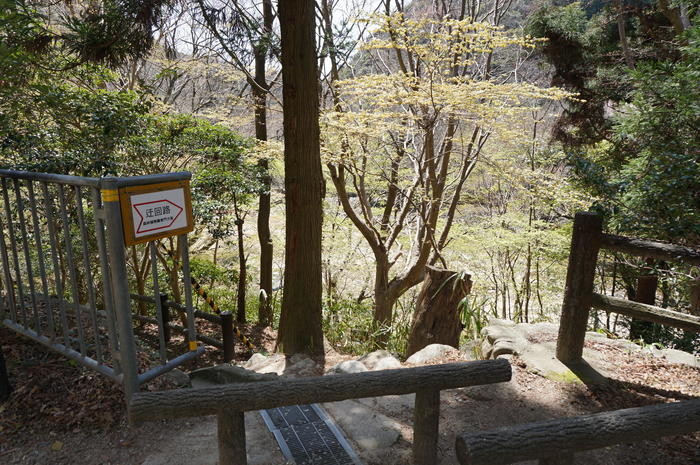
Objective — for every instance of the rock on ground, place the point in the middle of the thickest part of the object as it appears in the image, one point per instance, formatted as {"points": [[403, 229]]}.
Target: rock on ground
{"points": [[431, 353], [373, 433], [348, 366], [225, 374], [380, 360]]}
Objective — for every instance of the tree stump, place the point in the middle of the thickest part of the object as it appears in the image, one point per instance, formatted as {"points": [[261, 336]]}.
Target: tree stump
{"points": [[437, 316]]}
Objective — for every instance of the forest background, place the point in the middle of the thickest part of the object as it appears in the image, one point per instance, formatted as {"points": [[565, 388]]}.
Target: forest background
{"points": [[462, 134]]}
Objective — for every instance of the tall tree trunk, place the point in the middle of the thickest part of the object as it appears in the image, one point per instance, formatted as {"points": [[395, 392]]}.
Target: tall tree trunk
{"points": [[300, 320], [265, 313], [242, 264]]}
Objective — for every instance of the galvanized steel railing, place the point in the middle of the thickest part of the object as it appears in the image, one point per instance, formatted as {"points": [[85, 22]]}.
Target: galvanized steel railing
{"points": [[64, 276]]}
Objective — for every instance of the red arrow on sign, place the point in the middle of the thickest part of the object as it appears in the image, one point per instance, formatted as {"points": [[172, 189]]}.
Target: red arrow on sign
{"points": [[156, 215]]}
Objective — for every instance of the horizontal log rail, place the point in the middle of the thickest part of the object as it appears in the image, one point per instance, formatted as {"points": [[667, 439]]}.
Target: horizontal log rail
{"points": [[229, 402], [555, 441], [646, 312], [651, 249], [180, 403]]}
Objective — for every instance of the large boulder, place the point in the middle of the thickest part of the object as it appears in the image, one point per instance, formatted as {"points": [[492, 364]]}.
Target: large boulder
{"points": [[380, 360], [227, 374], [179, 378], [348, 366], [291, 367], [678, 356], [431, 353], [275, 363]]}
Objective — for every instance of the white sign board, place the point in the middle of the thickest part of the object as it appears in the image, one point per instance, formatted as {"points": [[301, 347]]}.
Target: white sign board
{"points": [[154, 211], [158, 212]]}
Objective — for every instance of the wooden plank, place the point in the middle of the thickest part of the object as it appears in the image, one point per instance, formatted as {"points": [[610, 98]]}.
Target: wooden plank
{"points": [[554, 438], [646, 312], [147, 406], [426, 420], [585, 242], [651, 249]]}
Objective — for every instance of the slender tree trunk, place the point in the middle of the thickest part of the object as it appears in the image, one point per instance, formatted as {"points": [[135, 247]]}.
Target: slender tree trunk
{"points": [[300, 320], [242, 264], [383, 302], [242, 275], [623, 34], [265, 314]]}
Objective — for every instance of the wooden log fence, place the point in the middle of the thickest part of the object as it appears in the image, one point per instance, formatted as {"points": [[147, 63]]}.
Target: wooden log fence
{"points": [[651, 249], [556, 441], [229, 402], [587, 239]]}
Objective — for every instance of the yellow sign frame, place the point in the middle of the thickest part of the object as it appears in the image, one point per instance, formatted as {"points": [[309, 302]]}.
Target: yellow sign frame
{"points": [[125, 194]]}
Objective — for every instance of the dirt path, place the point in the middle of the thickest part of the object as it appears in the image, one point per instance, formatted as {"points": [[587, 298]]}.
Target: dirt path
{"points": [[61, 414]]}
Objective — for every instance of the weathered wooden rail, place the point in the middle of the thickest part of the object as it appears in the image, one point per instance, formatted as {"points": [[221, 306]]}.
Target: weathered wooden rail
{"points": [[556, 441], [229, 402], [586, 241]]}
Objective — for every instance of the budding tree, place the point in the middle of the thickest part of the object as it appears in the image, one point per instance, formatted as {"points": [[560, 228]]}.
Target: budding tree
{"points": [[402, 141]]}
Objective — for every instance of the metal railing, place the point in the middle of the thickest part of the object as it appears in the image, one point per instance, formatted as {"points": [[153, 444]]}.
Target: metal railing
{"points": [[64, 272]]}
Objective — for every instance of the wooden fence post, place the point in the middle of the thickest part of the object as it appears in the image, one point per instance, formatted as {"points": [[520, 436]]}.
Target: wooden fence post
{"points": [[231, 433], [426, 418], [165, 312], [585, 243], [5, 386], [227, 335]]}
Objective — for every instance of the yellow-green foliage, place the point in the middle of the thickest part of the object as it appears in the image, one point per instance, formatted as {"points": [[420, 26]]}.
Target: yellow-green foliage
{"points": [[435, 94], [435, 87]]}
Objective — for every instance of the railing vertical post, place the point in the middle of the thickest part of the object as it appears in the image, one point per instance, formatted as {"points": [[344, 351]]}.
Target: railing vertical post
{"points": [[585, 243], [227, 335], [426, 418], [120, 285], [5, 386], [231, 434], [165, 312]]}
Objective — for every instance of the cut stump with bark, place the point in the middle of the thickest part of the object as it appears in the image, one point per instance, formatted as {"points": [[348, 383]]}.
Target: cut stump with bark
{"points": [[437, 316]]}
